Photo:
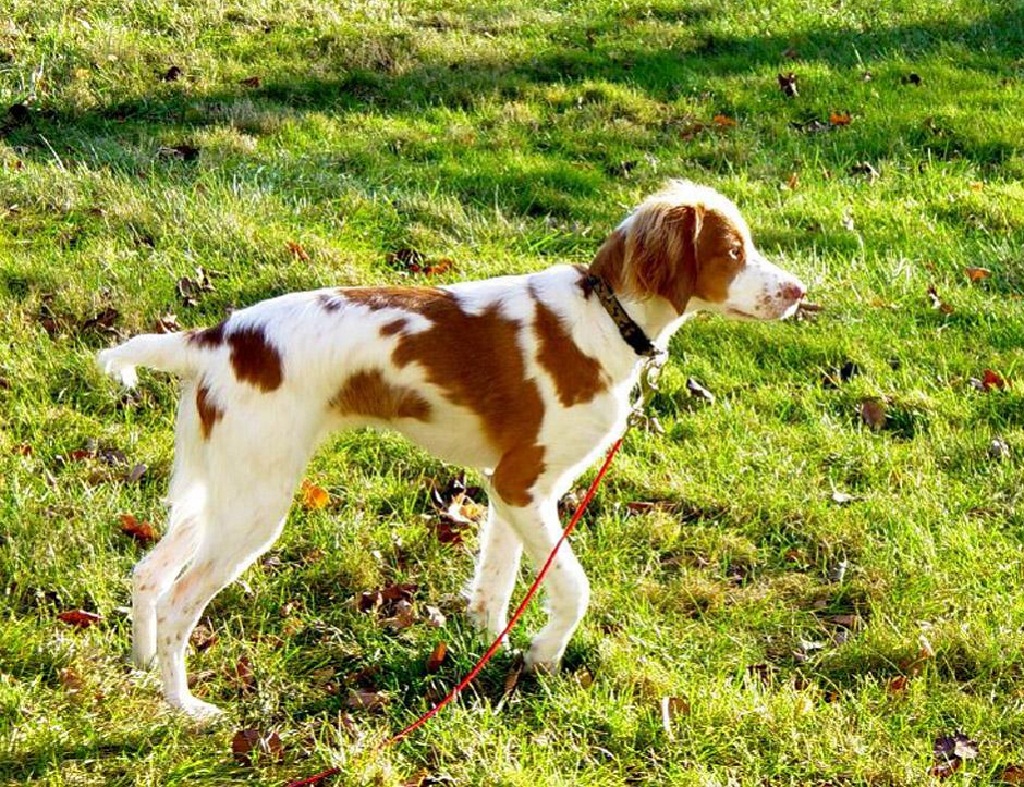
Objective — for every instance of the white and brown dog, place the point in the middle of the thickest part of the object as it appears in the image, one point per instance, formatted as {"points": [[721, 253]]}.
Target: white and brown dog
{"points": [[527, 378]]}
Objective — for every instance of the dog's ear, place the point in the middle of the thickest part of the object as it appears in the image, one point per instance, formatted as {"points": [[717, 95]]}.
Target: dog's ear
{"points": [[661, 251], [610, 259]]}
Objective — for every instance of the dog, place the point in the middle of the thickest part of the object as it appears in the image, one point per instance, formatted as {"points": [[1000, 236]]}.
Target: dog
{"points": [[527, 378]]}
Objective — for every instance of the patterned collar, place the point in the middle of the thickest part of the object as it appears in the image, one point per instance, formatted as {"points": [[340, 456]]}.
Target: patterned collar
{"points": [[632, 334]]}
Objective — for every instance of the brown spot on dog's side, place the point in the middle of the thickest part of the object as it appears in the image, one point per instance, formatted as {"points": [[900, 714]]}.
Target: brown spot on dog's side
{"points": [[393, 327], [578, 377], [255, 360], [477, 362], [517, 472], [209, 413], [414, 299], [367, 393], [209, 337]]}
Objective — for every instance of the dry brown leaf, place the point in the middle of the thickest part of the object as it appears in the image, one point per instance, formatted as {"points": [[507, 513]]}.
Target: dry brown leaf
{"points": [[297, 251], [787, 84], [977, 274], [143, 532], [314, 497], [437, 656], [873, 413], [671, 709], [79, 618], [253, 81], [70, 680], [248, 742], [839, 118], [723, 121]]}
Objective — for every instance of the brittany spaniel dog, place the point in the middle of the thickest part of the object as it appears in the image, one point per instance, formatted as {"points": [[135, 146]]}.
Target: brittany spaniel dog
{"points": [[527, 378]]}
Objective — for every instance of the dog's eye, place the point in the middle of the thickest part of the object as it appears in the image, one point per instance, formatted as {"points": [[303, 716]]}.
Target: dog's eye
{"points": [[736, 252]]}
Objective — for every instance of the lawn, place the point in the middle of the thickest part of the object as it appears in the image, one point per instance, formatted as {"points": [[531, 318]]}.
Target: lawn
{"points": [[813, 580]]}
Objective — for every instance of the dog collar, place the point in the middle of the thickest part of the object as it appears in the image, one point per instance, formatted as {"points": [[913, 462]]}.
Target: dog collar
{"points": [[632, 334]]}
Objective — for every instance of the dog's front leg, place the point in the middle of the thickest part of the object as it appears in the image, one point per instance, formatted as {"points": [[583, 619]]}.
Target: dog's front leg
{"points": [[496, 569], [567, 585]]}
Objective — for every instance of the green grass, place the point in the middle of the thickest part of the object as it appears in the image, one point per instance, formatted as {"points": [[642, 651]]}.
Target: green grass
{"points": [[507, 137]]}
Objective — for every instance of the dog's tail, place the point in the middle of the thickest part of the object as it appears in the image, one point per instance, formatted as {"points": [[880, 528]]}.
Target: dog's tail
{"points": [[168, 352]]}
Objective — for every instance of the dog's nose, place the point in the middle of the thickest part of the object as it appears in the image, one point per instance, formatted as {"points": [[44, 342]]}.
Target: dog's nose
{"points": [[793, 291]]}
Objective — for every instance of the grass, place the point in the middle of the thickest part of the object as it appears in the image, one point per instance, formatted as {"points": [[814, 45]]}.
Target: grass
{"points": [[507, 137]]}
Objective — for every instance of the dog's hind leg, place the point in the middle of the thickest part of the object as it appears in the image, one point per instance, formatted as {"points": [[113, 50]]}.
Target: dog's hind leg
{"points": [[154, 574], [252, 478]]}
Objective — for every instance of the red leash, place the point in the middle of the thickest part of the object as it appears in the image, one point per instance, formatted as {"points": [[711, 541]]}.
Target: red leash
{"points": [[317, 778]]}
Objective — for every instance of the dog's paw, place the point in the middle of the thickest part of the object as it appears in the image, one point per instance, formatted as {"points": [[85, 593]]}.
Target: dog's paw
{"points": [[198, 710], [537, 662]]}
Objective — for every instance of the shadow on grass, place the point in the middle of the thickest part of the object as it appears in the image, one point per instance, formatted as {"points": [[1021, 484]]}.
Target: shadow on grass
{"points": [[389, 76]]}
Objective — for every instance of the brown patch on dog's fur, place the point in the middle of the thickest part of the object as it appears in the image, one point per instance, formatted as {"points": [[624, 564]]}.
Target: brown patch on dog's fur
{"points": [[517, 472], [393, 327], [577, 376], [209, 413], [255, 360], [608, 263], [367, 393], [492, 384], [209, 337]]}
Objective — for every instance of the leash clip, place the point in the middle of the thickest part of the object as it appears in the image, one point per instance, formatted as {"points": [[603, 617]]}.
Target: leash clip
{"points": [[648, 386]]}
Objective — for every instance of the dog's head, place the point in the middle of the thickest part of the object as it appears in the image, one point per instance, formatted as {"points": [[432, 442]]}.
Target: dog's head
{"points": [[689, 245]]}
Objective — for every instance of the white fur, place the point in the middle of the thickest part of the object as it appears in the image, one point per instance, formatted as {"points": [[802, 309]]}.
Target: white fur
{"points": [[230, 493]]}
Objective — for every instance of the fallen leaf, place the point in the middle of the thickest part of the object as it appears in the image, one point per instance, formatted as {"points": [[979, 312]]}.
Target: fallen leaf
{"points": [[182, 152], [403, 615], [936, 302], [977, 274], [1012, 774], [166, 324], [699, 391], [190, 289], [248, 742], [787, 84], [515, 672], [297, 251], [671, 709], [991, 379], [898, 685], [70, 680], [22, 449], [79, 618], [172, 74], [838, 571], [143, 532], [202, 638], [253, 81], [846, 621], [435, 617], [723, 121], [793, 182], [313, 497], [436, 657], [998, 449], [842, 498], [839, 118], [242, 676], [873, 413], [865, 168]]}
